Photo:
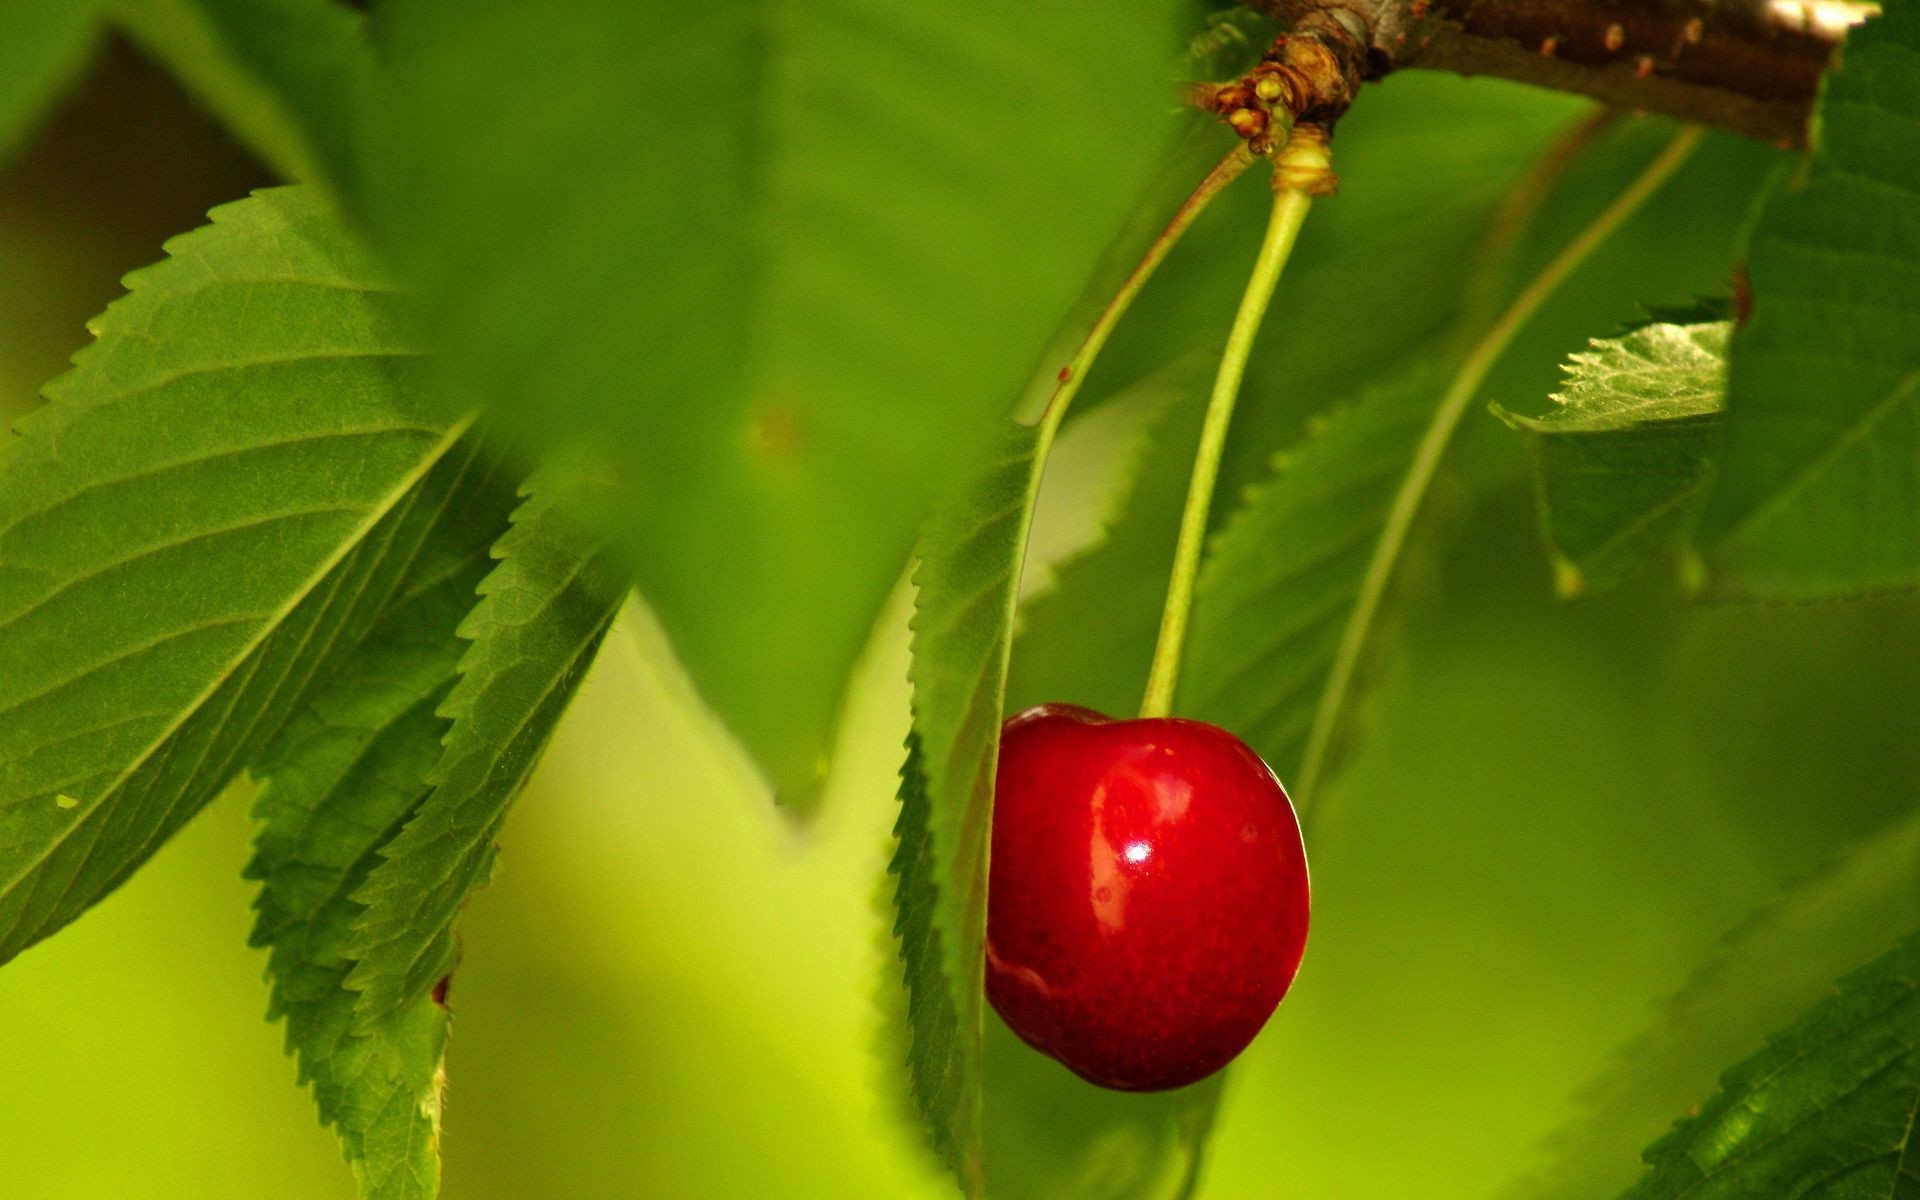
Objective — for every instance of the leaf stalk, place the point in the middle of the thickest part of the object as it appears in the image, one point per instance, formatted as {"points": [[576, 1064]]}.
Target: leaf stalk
{"points": [[1302, 170]]}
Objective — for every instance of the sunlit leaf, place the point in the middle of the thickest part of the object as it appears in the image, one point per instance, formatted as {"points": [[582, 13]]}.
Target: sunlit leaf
{"points": [[541, 618], [193, 532], [1619, 464], [1816, 492], [342, 777], [1825, 1111]]}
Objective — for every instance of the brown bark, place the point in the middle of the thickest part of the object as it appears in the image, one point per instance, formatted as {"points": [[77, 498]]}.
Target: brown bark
{"points": [[1751, 66]]}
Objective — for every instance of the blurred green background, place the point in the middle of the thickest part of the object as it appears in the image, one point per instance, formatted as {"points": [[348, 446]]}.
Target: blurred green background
{"points": [[1550, 815]]}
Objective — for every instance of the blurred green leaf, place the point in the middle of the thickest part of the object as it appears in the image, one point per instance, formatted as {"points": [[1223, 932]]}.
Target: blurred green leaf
{"points": [[771, 266], [1815, 491], [1282, 579], [1775, 964], [43, 45], [1618, 465], [1825, 1111], [966, 585], [287, 77], [343, 775], [542, 615], [192, 532]]}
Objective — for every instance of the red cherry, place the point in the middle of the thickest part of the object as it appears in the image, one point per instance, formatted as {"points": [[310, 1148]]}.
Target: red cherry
{"points": [[1147, 895]]}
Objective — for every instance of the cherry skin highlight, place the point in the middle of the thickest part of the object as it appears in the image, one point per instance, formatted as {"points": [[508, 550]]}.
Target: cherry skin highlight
{"points": [[1146, 897]]}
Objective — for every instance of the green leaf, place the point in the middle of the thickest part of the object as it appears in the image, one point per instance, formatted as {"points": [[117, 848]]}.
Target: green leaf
{"points": [[1775, 964], [967, 583], [543, 613], [342, 777], [192, 532], [784, 289], [1817, 488], [1825, 1111], [43, 45], [1282, 579], [1619, 464], [1041, 1130], [288, 77]]}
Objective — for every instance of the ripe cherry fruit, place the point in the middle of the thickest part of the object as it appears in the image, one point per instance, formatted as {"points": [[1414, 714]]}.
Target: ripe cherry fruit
{"points": [[1147, 895]]}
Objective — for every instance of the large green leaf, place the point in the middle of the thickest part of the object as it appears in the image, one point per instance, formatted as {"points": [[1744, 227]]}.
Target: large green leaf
{"points": [[1817, 487], [1825, 1112], [288, 77], [342, 777], [543, 613], [967, 582], [43, 44], [192, 532], [1777, 963], [1619, 464], [769, 265]]}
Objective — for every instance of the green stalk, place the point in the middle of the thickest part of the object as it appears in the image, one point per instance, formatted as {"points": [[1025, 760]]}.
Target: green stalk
{"points": [[1300, 168], [1480, 360], [1071, 375]]}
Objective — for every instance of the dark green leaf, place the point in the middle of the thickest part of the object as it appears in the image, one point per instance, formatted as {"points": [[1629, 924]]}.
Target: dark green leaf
{"points": [[1817, 487], [1825, 1112], [771, 265], [43, 44], [342, 777], [543, 613], [1775, 964], [967, 583], [1620, 462], [287, 76], [195, 530]]}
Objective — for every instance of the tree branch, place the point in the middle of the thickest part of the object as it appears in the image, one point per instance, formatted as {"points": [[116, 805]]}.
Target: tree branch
{"points": [[1751, 66]]}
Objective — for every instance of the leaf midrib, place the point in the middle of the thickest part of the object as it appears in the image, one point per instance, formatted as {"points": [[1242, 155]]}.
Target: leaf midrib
{"points": [[402, 488]]}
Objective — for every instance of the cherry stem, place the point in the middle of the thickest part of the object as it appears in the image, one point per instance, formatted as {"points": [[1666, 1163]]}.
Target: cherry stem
{"points": [[1301, 169], [1479, 362], [1071, 375]]}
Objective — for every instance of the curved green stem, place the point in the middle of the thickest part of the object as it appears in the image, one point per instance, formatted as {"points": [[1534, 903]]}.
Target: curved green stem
{"points": [[1072, 375], [1300, 167], [1480, 360]]}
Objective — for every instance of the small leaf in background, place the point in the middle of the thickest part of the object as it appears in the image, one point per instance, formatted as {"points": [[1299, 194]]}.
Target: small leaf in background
{"points": [[1817, 488], [342, 777], [967, 582], [43, 45], [772, 266], [1618, 465], [287, 77], [543, 612], [193, 531], [1825, 1111]]}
